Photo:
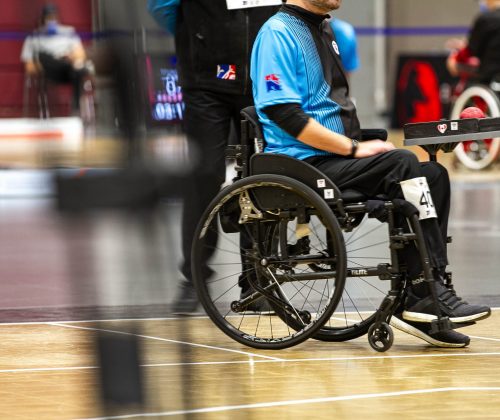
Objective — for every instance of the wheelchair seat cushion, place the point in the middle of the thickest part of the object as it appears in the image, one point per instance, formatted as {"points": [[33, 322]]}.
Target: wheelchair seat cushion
{"points": [[353, 196]]}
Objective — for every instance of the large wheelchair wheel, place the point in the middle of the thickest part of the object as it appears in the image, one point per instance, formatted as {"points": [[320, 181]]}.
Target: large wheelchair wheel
{"points": [[269, 239], [477, 154], [366, 246]]}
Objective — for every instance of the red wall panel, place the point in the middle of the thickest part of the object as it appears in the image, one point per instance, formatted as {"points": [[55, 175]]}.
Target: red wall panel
{"points": [[11, 99]]}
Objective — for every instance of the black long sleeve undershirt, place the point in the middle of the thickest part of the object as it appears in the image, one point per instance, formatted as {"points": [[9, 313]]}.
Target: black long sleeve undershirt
{"points": [[291, 118]]}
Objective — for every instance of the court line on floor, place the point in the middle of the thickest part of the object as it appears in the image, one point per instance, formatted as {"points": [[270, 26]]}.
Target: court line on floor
{"points": [[485, 338], [253, 362], [330, 359], [183, 318], [49, 369], [300, 402], [168, 340]]}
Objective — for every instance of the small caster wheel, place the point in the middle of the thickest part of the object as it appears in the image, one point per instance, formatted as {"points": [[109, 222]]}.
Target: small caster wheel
{"points": [[381, 337]]}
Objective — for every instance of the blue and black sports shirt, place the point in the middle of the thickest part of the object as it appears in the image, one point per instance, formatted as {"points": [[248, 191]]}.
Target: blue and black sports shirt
{"points": [[295, 59]]}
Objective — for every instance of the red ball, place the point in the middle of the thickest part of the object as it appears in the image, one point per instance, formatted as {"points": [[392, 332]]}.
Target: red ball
{"points": [[472, 112]]}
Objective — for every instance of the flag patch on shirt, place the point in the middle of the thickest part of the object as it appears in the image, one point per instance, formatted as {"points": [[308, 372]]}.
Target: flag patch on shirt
{"points": [[226, 71], [273, 82]]}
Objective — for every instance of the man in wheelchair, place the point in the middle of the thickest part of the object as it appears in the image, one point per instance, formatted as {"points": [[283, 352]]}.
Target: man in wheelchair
{"points": [[302, 100]]}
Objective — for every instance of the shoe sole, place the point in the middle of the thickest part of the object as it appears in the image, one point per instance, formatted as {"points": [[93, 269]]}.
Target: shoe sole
{"points": [[420, 317], [407, 328]]}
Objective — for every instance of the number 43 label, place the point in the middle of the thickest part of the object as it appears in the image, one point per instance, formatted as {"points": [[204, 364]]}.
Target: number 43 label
{"points": [[417, 192], [244, 4]]}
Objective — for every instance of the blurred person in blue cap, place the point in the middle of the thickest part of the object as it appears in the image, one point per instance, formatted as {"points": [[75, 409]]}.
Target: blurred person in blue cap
{"points": [[55, 51], [345, 38]]}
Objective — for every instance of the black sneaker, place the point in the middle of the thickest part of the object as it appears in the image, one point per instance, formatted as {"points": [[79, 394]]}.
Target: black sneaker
{"points": [[187, 300], [447, 339], [423, 309]]}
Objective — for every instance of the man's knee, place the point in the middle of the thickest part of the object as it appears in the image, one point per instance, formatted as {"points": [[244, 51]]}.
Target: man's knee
{"points": [[435, 172], [404, 155], [406, 161]]}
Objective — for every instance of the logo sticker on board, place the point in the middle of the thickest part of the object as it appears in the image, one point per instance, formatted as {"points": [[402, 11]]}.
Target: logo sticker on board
{"points": [[442, 128]]}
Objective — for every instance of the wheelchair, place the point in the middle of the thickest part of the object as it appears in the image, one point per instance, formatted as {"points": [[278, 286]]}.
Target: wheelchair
{"points": [[40, 98], [282, 234], [478, 155]]}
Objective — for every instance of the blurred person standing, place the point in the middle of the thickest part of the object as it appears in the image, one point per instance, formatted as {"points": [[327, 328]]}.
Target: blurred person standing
{"points": [[214, 39], [483, 43], [345, 38], [55, 51]]}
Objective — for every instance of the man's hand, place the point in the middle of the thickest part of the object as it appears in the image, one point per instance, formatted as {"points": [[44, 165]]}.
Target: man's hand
{"points": [[372, 148], [31, 68]]}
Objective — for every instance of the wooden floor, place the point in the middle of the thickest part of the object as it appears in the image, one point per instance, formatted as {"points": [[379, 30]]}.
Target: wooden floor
{"points": [[49, 371], [191, 370]]}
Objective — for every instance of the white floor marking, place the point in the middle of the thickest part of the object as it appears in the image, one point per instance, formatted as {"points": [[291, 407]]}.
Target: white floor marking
{"points": [[253, 362], [49, 369], [186, 318], [267, 359], [330, 359], [485, 338], [302, 402], [103, 320], [167, 340]]}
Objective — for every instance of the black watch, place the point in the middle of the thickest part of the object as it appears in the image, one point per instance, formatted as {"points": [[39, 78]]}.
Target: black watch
{"points": [[354, 148]]}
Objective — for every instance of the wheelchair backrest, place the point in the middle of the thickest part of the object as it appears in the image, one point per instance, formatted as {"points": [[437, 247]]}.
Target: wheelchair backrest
{"points": [[251, 130], [270, 163]]}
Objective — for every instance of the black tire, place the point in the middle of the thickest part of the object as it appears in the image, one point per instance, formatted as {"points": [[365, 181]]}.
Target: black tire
{"points": [[380, 338], [368, 244], [247, 251]]}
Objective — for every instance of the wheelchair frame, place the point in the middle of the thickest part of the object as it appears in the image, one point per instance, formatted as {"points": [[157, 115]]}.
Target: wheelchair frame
{"points": [[348, 208], [38, 87]]}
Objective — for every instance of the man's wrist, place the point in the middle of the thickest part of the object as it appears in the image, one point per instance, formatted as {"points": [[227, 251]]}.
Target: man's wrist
{"points": [[354, 148]]}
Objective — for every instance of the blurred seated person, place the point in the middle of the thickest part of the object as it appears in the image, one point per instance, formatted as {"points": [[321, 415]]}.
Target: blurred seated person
{"points": [[482, 48], [56, 52]]}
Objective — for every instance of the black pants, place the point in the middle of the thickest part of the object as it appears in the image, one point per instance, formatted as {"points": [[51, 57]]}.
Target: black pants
{"points": [[62, 71], [381, 174], [208, 118]]}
